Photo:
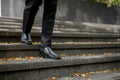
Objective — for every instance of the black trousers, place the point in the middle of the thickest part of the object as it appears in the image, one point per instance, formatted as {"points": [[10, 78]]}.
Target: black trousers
{"points": [[31, 8]]}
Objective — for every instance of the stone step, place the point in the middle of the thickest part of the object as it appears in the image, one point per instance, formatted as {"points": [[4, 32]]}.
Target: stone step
{"points": [[11, 20], [14, 20], [86, 26], [14, 36], [93, 27], [66, 22], [7, 32], [16, 39], [100, 75], [39, 68], [19, 46], [14, 23], [10, 32], [17, 33], [59, 29], [65, 49], [3, 19]]}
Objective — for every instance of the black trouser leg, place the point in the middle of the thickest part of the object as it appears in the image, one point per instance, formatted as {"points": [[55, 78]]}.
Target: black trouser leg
{"points": [[31, 8], [50, 7]]}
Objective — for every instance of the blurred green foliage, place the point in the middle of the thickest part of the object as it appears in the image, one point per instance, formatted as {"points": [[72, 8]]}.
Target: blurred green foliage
{"points": [[109, 2]]}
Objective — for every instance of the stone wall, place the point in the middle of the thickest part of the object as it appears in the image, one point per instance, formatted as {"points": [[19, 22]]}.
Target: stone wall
{"points": [[72, 10]]}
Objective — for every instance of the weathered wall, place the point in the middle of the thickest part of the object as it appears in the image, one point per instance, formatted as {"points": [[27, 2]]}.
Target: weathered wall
{"points": [[72, 10]]}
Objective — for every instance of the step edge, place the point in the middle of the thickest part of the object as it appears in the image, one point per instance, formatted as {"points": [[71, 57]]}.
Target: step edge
{"points": [[4, 47], [60, 34], [49, 63]]}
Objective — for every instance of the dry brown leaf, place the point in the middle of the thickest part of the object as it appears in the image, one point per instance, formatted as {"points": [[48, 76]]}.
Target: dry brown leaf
{"points": [[89, 79], [53, 78], [83, 75], [63, 55]]}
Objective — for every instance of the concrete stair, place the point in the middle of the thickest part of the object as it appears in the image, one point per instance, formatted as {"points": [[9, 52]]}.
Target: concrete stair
{"points": [[84, 47], [101, 75]]}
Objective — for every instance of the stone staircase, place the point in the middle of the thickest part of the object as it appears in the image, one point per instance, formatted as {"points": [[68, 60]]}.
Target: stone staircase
{"points": [[84, 47]]}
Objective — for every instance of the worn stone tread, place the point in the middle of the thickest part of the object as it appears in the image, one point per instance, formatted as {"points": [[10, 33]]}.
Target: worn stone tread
{"points": [[59, 29], [19, 46], [65, 22], [97, 76], [63, 34], [14, 65]]}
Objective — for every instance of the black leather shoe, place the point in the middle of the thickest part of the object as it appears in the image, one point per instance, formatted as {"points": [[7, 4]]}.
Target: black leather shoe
{"points": [[26, 38], [48, 53]]}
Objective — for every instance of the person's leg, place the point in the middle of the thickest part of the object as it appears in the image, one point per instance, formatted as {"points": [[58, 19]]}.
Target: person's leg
{"points": [[31, 8], [50, 7]]}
